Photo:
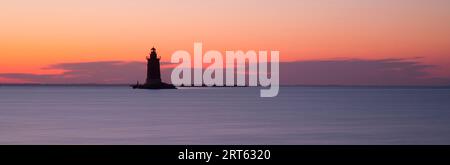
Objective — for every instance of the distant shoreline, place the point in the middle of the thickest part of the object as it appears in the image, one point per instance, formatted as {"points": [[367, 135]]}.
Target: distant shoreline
{"points": [[313, 86]]}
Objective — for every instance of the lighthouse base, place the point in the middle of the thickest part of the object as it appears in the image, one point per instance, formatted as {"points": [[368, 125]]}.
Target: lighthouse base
{"points": [[159, 85]]}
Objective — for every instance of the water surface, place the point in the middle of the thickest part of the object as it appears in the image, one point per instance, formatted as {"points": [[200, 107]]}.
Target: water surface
{"points": [[299, 115]]}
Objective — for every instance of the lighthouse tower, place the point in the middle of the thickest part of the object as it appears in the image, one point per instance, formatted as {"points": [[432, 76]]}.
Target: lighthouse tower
{"points": [[153, 80], [153, 68]]}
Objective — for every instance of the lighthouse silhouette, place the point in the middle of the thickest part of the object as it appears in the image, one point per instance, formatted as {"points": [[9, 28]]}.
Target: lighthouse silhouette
{"points": [[153, 80], [153, 68]]}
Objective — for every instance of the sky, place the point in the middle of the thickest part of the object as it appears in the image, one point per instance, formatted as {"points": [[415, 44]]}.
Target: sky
{"points": [[411, 35]]}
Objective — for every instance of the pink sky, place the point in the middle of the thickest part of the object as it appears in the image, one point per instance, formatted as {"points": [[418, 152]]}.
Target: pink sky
{"points": [[38, 34]]}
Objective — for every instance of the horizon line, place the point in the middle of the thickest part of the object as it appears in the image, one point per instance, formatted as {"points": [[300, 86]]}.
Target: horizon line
{"points": [[281, 85]]}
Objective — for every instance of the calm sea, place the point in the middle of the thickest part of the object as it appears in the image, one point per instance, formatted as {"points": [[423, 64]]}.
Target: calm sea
{"points": [[299, 115]]}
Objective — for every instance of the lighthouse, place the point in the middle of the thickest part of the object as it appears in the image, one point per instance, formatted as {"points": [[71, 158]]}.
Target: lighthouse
{"points": [[153, 68], [153, 80]]}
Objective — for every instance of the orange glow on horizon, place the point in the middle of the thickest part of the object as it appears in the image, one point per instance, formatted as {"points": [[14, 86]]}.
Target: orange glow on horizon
{"points": [[35, 35]]}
